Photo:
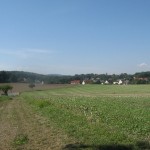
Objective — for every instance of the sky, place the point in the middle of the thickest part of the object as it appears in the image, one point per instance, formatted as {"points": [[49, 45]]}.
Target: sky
{"points": [[75, 36]]}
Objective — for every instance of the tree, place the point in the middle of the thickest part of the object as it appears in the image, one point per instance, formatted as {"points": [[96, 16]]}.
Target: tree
{"points": [[3, 77], [31, 85], [5, 88]]}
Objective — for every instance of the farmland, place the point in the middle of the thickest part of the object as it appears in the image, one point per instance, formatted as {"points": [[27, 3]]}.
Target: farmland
{"points": [[83, 117]]}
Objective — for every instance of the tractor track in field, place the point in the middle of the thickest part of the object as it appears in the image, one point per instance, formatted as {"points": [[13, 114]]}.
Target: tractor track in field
{"points": [[17, 118]]}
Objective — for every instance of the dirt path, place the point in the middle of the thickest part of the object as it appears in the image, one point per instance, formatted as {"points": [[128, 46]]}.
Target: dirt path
{"points": [[17, 118]]}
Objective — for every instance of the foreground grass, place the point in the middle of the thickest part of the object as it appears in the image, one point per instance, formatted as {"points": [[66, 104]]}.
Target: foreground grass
{"points": [[98, 121], [5, 98], [23, 129]]}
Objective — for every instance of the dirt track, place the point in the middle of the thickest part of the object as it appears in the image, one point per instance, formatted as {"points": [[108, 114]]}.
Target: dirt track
{"points": [[18, 118]]}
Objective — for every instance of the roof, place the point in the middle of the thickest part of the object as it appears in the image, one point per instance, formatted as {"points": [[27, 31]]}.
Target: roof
{"points": [[75, 82]]}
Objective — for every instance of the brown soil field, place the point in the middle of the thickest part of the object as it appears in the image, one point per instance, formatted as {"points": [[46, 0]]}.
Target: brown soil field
{"points": [[22, 87], [17, 118]]}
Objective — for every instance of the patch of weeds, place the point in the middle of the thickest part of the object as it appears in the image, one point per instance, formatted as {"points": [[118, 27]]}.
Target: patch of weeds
{"points": [[20, 139], [42, 103], [4, 98]]}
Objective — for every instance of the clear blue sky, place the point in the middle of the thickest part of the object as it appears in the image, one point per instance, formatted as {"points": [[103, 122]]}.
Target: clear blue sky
{"points": [[75, 36]]}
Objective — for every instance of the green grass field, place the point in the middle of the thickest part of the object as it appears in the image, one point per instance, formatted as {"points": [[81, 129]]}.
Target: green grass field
{"points": [[95, 90], [98, 116]]}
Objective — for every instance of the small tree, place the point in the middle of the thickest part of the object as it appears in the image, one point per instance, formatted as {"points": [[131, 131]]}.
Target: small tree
{"points": [[5, 88], [31, 85]]}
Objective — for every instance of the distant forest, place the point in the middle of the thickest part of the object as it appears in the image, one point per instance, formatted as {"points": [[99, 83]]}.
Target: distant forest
{"points": [[28, 77]]}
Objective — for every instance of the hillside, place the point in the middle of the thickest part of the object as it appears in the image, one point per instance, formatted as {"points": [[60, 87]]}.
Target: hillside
{"points": [[28, 77]]}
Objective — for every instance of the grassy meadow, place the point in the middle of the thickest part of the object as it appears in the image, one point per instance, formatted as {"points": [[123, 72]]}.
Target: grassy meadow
{"points": [[97, 116]]}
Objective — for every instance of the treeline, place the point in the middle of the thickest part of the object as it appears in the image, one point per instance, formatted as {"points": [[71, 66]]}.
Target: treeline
{"points": [[28, 77]]}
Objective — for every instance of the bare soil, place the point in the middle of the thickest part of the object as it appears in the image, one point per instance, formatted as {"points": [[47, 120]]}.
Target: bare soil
{"points": [[23, 87], [17, 118]]}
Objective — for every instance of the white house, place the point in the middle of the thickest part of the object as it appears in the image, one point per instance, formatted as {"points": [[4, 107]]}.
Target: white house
{"points": [[115, 82], [83, 83], [106, 82], [120, 82]]}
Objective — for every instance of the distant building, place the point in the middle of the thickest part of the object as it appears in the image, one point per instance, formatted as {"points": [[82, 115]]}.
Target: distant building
{"points": [[83, 83], [115, 82], [106, 82], [14, 94], [146, 79], [120, 82], [75, 82], [88, 81]]}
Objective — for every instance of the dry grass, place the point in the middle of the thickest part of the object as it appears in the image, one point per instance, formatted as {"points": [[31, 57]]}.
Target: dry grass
{"points": [[16, 118]]}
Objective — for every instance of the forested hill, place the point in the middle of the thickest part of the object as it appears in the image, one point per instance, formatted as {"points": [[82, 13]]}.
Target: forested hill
{"points": [[28, 77]]}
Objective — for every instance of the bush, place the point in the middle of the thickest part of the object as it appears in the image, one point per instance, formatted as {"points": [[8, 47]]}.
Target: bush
{"points": [[5, 89], [20, 140], [31, 85]]}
